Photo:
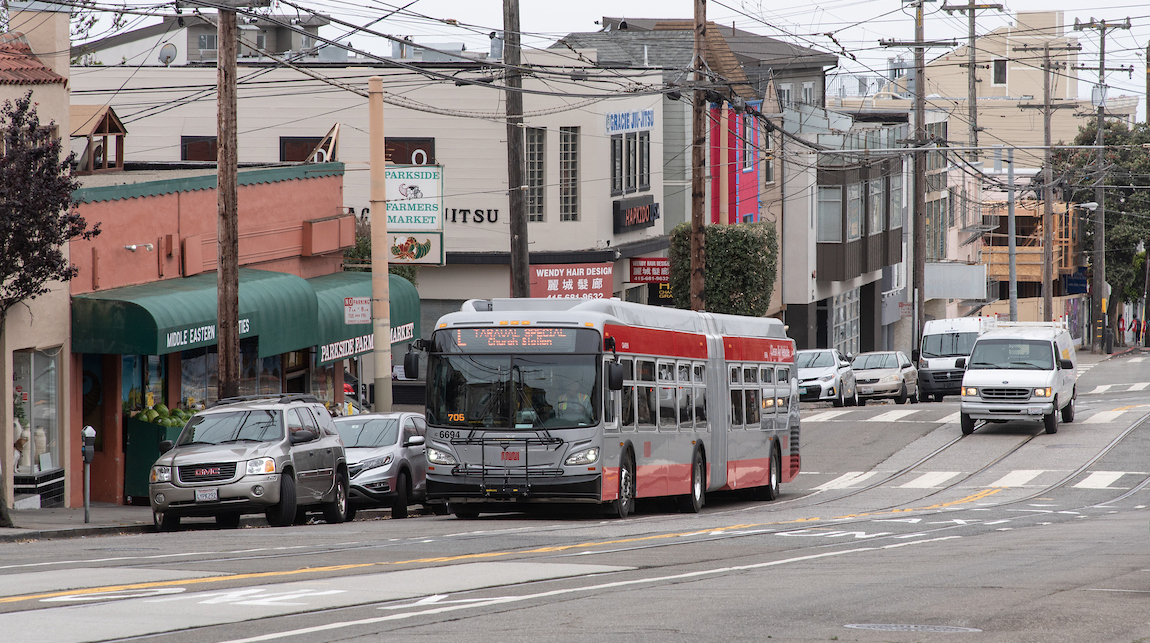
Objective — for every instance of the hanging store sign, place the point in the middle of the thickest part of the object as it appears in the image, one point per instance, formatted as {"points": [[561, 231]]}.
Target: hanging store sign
{"points": [[416, 248], [414, 198], [634, 214], [650, 270], [572, 281], [363, 343], [633, 121]]}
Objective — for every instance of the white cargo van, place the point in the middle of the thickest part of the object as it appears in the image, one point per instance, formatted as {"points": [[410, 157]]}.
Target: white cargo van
{"points": [[943, 342], [1020, 371]]}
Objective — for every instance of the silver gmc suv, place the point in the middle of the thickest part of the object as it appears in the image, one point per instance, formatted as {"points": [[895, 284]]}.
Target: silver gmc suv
{"points": [[277, 455]]}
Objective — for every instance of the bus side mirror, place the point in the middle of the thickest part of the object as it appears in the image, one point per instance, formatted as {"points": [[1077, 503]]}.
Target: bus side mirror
{"points": [[960, 362], [411, 366], [615, 376]]}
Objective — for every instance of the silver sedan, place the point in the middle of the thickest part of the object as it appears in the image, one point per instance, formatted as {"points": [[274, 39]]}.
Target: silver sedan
{"points": [[886, 374]]}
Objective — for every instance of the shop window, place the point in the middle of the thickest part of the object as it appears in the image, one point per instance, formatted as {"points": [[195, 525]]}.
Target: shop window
{"points": [[198, 148], [36, 406], [323, 384], [295, 149], [198, 377]]}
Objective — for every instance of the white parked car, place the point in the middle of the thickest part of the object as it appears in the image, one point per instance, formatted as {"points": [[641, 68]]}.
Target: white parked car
{"points": [[826, 374]]}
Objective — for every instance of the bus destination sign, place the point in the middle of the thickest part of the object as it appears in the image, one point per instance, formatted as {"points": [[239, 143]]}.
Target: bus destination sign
{"points": [[500, 340]]}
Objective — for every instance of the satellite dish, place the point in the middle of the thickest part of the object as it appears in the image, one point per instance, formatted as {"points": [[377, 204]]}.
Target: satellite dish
{"points": [[167, 54]]}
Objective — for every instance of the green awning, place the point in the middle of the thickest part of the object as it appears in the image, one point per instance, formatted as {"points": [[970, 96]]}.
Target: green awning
{"points": [[180, 314], [338, 339]]}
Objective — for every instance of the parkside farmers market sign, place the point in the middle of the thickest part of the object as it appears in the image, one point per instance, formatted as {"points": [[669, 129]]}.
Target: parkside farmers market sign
{"points": [[414, 198]]}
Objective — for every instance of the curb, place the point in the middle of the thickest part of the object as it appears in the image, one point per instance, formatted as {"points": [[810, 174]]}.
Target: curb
{"points": [[82, 532]]}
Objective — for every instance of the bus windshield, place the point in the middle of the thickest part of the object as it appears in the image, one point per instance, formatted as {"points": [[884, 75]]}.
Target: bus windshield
{"points": [[512, 391], [948, 344]]}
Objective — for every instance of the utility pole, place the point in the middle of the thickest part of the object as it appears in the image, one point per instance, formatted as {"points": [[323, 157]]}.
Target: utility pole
{"points": [[919, 214], [517, 200], [1098, 274], [1011, 242], [227, 206], [698, 163], [380, 277], [971, 81], [1048, 274]]}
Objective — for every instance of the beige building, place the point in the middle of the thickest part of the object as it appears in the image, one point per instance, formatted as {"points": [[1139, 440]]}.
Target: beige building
{"points": [[34, 364]]}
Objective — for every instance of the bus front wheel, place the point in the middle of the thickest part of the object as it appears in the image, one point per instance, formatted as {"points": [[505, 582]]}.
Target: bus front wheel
{"points": [[624, 505]]}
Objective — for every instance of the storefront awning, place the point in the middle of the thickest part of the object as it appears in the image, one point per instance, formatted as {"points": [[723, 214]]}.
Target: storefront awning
{"points": [[339, 339], [180, 314]]}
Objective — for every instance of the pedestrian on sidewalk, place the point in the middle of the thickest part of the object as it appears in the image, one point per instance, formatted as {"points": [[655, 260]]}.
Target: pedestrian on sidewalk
{"points": [[1121, 331], [1136, 330]]}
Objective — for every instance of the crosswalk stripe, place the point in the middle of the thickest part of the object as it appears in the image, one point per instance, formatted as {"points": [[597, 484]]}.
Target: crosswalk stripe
{"points": [[953, 417], [930, 480], [826, 415], [1134, 360], [847, 479], [1139, 386], [1018, 478], [1100, 479], [891, 416], [1101, 388], [1103, 417]]}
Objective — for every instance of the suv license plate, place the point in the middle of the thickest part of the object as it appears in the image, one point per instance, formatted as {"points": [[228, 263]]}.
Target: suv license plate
{"points": [[207, 495]]}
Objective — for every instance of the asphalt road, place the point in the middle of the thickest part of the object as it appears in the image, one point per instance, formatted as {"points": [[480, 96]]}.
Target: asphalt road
{"points": [[898, 529]]}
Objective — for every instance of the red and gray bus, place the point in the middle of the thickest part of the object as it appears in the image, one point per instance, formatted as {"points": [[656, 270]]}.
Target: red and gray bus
{"points": [[605, 401]]}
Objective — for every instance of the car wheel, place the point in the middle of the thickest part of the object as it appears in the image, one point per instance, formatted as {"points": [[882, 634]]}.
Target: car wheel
{"points": [[437, 508], [336, 510], [862, 401], [228, 521], [966, 422], [903, 396], [465, 512], [402, 492], [165, 521], [938, 397], [914, 397], [855, 402], [840, 400], [350, 515], [693, 502], [282, 513], [1068, 412], [1050, 421], [624, 505]]}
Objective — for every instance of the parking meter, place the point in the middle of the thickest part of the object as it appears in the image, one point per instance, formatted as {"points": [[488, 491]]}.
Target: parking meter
{"points": [[88, 449]]}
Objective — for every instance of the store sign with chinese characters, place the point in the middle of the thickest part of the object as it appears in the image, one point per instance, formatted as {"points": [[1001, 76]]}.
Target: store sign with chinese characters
{"points": [[650, 270], [572, 281]]}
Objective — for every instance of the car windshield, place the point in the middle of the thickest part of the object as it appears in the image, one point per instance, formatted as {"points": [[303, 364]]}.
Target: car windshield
{"points": [[370, 432], [948, 344], [875, 360], [1012, 353], [512, 391], [814, 359], [237, 426]]}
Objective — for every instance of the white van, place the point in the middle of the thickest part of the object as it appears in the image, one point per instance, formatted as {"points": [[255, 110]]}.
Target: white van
{"points": [[943, 342], [1020, 371]]}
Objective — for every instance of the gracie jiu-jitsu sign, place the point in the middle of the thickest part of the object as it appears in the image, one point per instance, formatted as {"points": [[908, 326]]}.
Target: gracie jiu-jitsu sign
{"points": [[414, 198]]}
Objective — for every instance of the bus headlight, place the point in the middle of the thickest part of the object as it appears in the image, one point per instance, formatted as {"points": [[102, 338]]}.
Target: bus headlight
{"points": [[1043, 392], [435, 456], [586, 456], [161, 474], [970, 391]]}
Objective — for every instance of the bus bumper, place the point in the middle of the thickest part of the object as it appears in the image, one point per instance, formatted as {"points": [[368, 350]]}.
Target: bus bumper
{"points": [[464, 489]]}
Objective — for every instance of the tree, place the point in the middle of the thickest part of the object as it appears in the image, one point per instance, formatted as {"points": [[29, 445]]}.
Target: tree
{"points": [[361, 256], [1127, 166], [741, 263], [37, 215]]}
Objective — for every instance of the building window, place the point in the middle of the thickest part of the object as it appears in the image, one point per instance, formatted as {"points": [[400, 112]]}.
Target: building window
{"points": [[808, 93], [874, 206], [296, 149], [568, 173], [616, 165], [198, 148], [785, 94], [768, 158], [409, 151], [999, 71], [644, 160], [748, 143], [854, 211], [845, 312], [830, 215], [631, 176], [262, 40], [207, 41], [895, 201], [36, 407], [534, 175]]}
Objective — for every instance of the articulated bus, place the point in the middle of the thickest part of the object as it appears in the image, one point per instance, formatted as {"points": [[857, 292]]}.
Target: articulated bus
{"points": [[605, 401]]}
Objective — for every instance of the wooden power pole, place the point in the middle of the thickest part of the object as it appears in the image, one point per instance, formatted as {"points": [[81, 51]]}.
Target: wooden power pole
{"points": [[971, 79], [698, 163], [380, 277], [227, 205], [517, 199]]}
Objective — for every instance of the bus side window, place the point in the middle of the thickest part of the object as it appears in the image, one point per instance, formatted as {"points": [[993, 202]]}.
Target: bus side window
{"points": [[734, 375], [686, 404], [645, 399], [750, 375], [628, 395], [668, 409], [736, 408], [699, 379], [610, 400], [766, 376], [783, 377], [752, 415]]}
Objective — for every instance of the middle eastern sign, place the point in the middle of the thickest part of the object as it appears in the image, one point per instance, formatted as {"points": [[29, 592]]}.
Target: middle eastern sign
{"points": [[634, 214], [414, 198], [650, 270], [204, 335], [357, 310], [572, 281]]}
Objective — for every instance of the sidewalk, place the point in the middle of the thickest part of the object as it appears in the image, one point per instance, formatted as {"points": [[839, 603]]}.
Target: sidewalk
{"points": [[58, 522]]}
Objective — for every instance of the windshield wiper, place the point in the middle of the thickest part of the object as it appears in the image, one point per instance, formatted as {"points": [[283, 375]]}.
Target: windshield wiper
{"points": [[984, 365], [240, 440]]}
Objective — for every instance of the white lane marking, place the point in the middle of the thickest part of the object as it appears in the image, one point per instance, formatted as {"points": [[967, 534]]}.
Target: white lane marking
{"points": [[1101, 388], [81, 578], [502, 600], [891, 416], [1100, 479], [148, 557], [1135, 360], [846, 480], [930, 480], [825, 416], [1139, 386], [953, 417], [1017, 478], [1103, 417]]}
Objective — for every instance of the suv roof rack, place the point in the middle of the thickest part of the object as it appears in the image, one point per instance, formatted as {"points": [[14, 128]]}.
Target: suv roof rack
{"points": [[267, 397]]}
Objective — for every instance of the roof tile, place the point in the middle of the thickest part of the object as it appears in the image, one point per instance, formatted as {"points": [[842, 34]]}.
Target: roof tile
{"points": [[19, 66]]}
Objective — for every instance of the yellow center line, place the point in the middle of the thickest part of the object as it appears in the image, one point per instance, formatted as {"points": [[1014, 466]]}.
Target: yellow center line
{"points": [[447, 559]]}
